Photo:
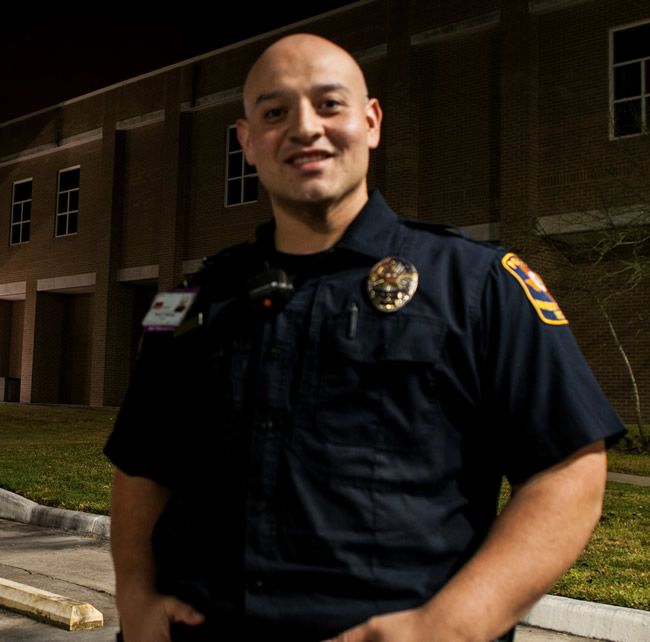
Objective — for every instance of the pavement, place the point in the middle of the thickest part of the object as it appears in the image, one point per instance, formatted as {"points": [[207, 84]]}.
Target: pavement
{"points": [[67, 564], [68, 554]]}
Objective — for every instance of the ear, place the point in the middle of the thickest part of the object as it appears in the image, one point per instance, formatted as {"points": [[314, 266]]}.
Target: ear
{"points": [[373, 118], [243, 136]]}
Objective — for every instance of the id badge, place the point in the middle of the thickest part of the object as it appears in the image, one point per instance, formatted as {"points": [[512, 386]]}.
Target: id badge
{"points": [[169, 309]]}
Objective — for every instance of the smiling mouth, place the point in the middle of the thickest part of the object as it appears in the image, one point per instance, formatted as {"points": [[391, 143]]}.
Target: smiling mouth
{"points": [[308, 158]]}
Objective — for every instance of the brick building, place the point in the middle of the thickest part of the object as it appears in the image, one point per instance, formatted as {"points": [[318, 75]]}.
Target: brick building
{"points": [[497, 114]]}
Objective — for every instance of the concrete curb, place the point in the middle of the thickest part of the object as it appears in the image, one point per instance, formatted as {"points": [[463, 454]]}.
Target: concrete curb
{"points": [[589, 620], [19, 509], [562, 614], [51, 608], [624, 478]]}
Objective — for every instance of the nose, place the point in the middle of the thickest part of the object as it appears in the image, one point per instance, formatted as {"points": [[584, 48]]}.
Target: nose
{"points": [[306, 124]]}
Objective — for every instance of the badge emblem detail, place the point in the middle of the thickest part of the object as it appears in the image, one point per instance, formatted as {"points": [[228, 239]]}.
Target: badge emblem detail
{"points": [[392, 283]]}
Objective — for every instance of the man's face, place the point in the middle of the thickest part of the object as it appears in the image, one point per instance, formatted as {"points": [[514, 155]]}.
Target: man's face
{"points": [[309, 124]]}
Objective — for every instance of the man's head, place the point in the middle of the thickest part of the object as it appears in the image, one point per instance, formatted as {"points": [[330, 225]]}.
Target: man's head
{"points": [[309, 124]]}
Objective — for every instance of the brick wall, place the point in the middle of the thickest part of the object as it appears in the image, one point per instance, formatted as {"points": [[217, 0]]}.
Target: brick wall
{"points": [[494, 112], [458, 109], [142, 197]]}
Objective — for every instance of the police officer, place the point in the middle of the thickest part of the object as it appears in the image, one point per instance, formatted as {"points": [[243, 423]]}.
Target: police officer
{"points": [[316, 450]]}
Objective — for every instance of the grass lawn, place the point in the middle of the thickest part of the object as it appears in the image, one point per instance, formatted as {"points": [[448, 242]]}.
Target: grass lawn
{"points": [[622, 462], [624, 457], [615, 566], [53, 455]]}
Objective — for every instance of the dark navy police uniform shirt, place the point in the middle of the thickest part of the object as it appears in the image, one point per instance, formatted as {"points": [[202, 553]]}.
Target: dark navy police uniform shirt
{"points": [[330, 461]]}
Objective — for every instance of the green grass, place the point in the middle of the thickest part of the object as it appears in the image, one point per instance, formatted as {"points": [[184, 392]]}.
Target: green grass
{"points": [[621, 462], [615, 566], [629, 455], [53, 455]]}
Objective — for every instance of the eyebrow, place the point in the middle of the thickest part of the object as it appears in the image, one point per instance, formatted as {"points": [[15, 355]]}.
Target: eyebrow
{"points": [[321, 89]]}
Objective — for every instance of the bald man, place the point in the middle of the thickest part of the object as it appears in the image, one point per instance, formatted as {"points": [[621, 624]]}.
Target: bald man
{"points": [[308, 130], [337, 420]]}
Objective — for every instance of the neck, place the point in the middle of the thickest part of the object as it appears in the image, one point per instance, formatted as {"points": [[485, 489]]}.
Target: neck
{"points": [[310, 228]]}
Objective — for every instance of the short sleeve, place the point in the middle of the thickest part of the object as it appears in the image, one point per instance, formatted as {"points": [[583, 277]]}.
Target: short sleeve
{"points": [[138, 444], [543, 399]]}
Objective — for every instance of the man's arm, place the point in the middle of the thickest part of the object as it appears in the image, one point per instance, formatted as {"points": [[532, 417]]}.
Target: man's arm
{"points": [[145, 614], [537, 537]]}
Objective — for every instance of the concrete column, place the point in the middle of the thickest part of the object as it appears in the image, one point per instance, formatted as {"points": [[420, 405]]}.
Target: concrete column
{"points": [[5, 337], [400, 128], [107, 260], [27, 359], [172, 220]]}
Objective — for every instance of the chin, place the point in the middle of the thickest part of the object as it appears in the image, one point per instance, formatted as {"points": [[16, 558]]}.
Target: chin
{"points": [[312, 196]]}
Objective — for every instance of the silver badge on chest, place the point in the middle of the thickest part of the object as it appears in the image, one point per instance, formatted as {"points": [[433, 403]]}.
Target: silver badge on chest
{"points": [[392, 283]]}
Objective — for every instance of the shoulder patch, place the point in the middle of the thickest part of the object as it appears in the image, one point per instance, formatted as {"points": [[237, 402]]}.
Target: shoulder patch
{"points": [[545, 305]]}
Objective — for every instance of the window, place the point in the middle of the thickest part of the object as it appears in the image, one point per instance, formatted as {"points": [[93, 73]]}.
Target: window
{"points": [[67, 202], [241, 178], [21, 212], [630, 80]]}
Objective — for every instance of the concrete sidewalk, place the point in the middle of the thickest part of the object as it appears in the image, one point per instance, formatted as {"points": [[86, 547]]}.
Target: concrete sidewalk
{"points": [[68, 553], [80, 567], [74, 566]]}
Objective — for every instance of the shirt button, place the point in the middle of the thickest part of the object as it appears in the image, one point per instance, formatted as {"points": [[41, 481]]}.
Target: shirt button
{"points": [[256, 586]]}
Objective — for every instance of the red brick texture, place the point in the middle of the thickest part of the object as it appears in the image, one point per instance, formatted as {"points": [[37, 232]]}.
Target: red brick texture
{"points": [[494, 112]]}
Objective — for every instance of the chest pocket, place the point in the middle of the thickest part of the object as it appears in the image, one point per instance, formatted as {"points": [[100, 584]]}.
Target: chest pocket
{"points": [[224, 354], [378, 390]]}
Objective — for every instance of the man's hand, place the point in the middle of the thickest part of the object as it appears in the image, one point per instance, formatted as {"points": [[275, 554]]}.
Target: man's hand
{"points": [[148, 619], [145, 614], [536, 538], [403, 626]]}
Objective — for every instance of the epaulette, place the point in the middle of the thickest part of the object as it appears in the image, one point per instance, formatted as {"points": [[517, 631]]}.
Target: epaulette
{"points": [[437, 228], [230, 260]]}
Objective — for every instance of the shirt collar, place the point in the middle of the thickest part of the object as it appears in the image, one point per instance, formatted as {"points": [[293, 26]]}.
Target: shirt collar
{"points": [[369, 234]]}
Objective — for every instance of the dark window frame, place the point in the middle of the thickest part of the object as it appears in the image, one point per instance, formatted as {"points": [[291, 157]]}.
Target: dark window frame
{"points": [[66, 219], [629, 67], [21, 213], [241, 184]]}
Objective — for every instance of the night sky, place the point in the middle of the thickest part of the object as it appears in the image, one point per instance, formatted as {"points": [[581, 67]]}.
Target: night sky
{"points": [[52, 53]]}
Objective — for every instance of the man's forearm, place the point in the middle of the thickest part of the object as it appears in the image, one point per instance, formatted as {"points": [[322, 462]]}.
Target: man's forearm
{"points": [[136, 505], [537, 537], [145, 614]]}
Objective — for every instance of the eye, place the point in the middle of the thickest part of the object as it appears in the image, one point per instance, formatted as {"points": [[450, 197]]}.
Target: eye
{"points": [[273, 113], [330, 105]]}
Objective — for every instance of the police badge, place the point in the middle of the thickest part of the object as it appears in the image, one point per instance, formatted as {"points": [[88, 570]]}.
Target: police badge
{"points": [[392, 283]]}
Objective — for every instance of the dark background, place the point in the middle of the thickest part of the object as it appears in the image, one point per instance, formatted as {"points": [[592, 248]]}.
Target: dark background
{"points": [[51, 53]]}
